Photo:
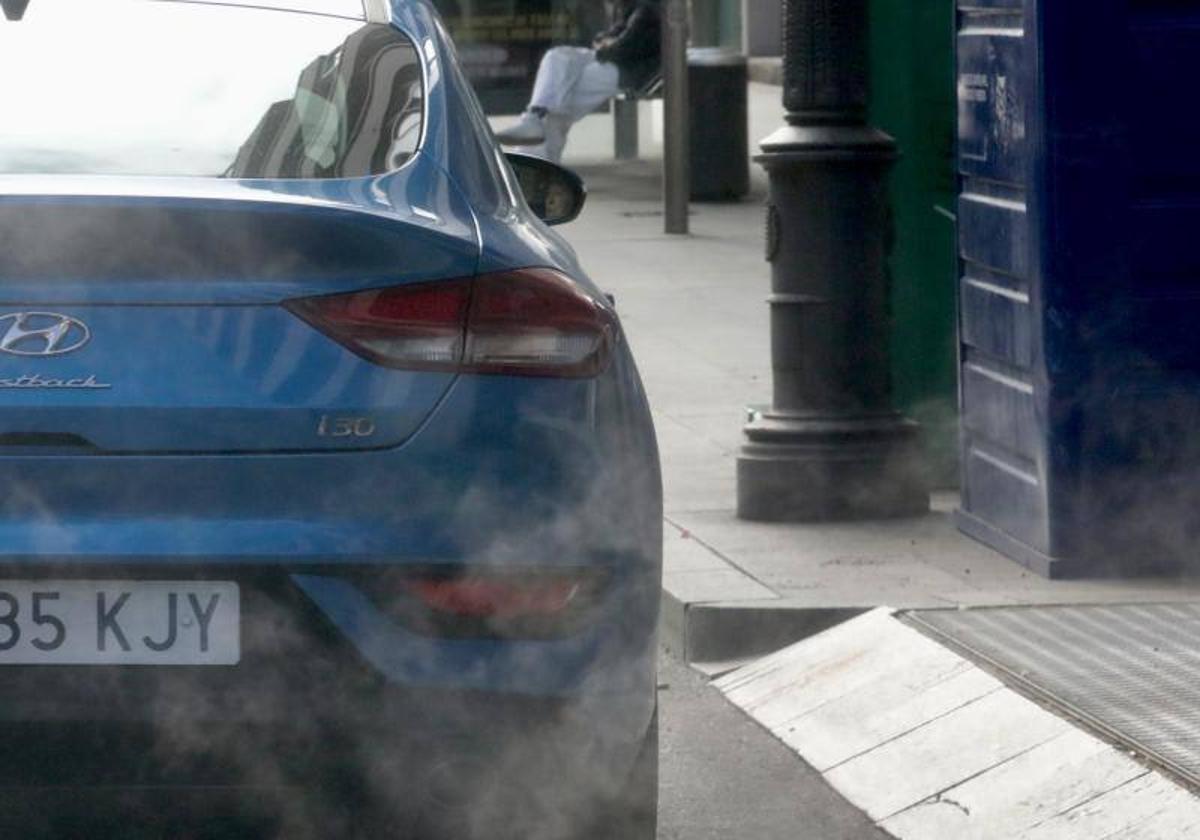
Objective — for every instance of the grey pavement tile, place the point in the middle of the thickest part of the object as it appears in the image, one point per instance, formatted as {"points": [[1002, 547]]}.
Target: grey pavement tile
{"points": [[684, 553], [690, 492], [1040, 591], [932, 535], [722, 427], [666, 357], [677, 439], [703, 257], [753, 374], [715, 585], [690, 451], [695, 465], [686, 460], [679, 402], [903, 564], [969, 598], [856, 597], [679, 350], [906, 589], [691, 388]]}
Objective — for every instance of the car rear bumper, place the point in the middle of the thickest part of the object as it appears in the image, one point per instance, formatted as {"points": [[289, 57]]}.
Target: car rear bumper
{"points": [[310, 760], [437, 765], [306, 714]]}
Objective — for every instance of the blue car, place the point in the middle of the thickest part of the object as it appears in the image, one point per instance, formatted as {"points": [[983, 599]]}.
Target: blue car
{"points": [[331, 498]]}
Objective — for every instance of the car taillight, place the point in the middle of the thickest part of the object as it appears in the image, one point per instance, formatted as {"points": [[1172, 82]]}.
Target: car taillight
{"points": [[530, 604], [530, 322], [536, 322], [418, 327], [494, 597]]}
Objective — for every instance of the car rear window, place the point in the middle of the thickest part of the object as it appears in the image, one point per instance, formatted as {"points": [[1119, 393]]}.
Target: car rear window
{"points": [[136, 87]]}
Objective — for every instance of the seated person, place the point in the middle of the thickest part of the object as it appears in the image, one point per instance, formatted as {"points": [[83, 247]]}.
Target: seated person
{"points": [[574, 81]]}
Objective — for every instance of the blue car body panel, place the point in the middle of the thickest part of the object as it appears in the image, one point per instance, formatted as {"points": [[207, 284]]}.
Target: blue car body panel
{"points": [[183, 442], [202, 450]]}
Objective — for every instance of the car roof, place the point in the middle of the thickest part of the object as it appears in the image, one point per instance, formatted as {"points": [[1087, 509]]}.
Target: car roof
{"points": [[374, 11]]}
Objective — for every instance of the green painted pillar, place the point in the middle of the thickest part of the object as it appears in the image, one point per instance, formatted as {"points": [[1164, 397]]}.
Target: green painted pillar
{"points": [[913, 100]]}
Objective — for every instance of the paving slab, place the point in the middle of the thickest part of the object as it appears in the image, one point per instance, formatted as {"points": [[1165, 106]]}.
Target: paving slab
{"points": [[940, 753], [896, 703], [715, 585], [684, 553], [1034, 789], [1146, 808]]}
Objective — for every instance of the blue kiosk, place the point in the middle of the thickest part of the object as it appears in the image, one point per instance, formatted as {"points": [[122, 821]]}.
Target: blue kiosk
{"points": [[1079, 297]]}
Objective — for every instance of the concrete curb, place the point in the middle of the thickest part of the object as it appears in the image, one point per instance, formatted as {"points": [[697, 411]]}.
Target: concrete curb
{"points": [[716, 637], [930, 746], [716, 616]]}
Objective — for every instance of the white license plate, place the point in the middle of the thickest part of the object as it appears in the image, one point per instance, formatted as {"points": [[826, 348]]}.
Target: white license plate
{"points": [[119, 622]]}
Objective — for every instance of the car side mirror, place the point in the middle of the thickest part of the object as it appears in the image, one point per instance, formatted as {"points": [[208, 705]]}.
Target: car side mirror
{"points": [[554, 193]]}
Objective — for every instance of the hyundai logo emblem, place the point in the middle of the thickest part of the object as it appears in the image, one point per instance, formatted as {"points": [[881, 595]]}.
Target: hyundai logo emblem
{"points": [[41, 334]]}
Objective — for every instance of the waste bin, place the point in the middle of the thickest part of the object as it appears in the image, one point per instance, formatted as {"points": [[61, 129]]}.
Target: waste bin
{"points": [[1079, 307], [718, 115]]}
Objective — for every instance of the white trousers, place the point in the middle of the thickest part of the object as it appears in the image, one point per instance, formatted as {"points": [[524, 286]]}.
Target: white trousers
{"points": [[570, 84]]}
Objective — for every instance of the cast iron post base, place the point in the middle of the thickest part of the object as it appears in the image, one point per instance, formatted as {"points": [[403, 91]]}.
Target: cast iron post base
{"points": [[831, 446], [812, 469]]}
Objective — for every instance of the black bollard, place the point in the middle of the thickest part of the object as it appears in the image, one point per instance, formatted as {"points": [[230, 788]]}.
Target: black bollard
{"points": [[14, 9], [831, 446]]}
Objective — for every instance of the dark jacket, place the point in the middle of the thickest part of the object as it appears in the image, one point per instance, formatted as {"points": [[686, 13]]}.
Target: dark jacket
{"points": [[633, 42]]}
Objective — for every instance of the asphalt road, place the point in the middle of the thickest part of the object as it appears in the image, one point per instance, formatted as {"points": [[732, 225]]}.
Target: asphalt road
{"points": [[723, 776]]}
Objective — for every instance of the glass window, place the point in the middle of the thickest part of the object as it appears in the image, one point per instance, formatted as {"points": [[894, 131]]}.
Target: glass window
{"points": [[501, 42], [134, 87]]}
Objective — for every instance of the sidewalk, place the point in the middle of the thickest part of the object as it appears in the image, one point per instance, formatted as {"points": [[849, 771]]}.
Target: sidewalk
{"points": [[694, 308]]}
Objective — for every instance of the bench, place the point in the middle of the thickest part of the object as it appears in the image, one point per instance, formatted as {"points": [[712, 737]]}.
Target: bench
{"points": [[625, 117]]}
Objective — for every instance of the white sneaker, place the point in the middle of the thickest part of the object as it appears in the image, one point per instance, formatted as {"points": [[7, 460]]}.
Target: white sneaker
{"points": [[529, 131]]}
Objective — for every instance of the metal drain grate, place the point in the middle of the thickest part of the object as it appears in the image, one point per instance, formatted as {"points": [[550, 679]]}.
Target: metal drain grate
{"points": [[1131, 671]]}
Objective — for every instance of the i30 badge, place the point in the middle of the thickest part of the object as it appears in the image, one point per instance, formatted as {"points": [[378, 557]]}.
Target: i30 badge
{"points": [[41, 333]]}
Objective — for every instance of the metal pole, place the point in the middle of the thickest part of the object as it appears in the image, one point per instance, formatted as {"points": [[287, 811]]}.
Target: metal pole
{"points": [[676, 188], [830, 446]]}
